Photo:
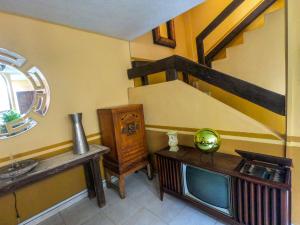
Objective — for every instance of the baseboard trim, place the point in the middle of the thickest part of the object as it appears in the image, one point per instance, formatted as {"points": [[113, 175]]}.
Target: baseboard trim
{"points": [[57, 208]]}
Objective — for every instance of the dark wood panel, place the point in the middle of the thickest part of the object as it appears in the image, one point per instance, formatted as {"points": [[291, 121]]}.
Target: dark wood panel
{"points": [[185, 77], [266, 205], [274, 206], [137, 63], [265, 98], [285, 212], [222, 163], [246, 202], [252, 204], [213, 25], [171, 74], [259, 205], [240, 199], [284, 162], [151, 68], [169, 174]]}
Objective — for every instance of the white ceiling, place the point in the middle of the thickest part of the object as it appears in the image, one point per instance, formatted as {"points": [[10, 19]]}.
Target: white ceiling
{"points": [[124, 19]]}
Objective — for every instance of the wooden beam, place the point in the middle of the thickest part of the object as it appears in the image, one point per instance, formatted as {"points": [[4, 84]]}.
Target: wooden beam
{"points": [[265, 98], [247, 21], [171, 74], [210, 28]]}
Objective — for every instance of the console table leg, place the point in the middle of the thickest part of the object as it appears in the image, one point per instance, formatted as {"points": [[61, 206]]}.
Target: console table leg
{"points": [[89, 180], [98, 184]]}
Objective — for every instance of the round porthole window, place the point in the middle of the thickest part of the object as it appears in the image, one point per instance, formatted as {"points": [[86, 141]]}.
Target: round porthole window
{"points": [[22, 95]]}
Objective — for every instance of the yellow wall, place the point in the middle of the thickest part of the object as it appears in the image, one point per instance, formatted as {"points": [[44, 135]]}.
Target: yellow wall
{"points": [[85, 71], [200, 16], [81, 68], [293, 103], [143, 47], [157, 139], [273, 121], [177, 106], [175, 103], [251, 62]]}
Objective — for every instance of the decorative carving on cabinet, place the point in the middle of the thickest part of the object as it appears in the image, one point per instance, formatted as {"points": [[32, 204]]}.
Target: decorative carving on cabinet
{"points": [[130, 128], [130, 123]]}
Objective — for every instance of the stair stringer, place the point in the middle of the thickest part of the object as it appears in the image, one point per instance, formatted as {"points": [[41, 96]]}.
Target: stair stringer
{"points": [[256, 24], [261, 59]]}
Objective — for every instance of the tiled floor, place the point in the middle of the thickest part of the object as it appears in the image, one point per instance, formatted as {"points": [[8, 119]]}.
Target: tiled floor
{"points": [[141, 207]]}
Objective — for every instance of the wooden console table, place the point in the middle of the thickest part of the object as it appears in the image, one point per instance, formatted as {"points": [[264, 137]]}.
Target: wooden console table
{"points": [[60, 163]]}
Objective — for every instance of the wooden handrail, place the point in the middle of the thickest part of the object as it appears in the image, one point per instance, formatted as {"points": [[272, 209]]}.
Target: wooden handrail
{"points": [[229, 37], [265, 98], [213, 25]]}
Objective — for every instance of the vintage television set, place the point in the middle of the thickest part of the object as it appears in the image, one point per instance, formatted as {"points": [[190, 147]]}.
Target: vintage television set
{"points": [[251, 188], [207, 187]]}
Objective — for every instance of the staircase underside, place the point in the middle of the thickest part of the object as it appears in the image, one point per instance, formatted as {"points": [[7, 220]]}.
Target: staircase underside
{"points": [[264, 106]]}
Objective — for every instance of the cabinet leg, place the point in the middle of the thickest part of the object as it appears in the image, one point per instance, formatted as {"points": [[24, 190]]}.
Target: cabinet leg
{"points": [[161, 194], [149, 171], [122, 186], [108, 179], [98, 184]]}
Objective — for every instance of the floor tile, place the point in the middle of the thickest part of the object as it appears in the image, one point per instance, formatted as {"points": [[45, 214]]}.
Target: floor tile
{"points": [[142, 206], [53, 220], [80, 212], [99, 219], [144, 217], [134, 187], [220, 223], [192, 216], [143, 198], [121, 211], [111, 196], [166, 209], [151, 185]]}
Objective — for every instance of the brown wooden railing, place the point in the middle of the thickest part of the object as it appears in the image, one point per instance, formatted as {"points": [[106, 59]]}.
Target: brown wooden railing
{"points": [[207, 59], [270, 100]]}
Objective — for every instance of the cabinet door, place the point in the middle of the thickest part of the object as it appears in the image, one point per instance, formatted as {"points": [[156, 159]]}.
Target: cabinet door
{"points": [[130, 132]]}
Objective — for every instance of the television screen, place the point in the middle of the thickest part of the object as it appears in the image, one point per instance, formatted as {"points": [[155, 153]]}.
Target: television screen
{"points": [[210, 188]]}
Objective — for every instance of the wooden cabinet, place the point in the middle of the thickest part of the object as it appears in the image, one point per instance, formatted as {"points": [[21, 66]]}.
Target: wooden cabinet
{"points": [[123, 130]]}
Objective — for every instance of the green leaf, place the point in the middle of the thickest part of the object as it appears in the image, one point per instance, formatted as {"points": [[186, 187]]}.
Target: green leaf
{"points": [[10, 115]]}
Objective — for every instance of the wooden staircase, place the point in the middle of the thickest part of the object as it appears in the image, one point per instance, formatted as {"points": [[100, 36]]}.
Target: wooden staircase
{"points": [[224, 87]]}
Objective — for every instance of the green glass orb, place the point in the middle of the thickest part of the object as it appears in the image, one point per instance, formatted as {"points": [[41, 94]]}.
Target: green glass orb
{"points": [[207, 140]]}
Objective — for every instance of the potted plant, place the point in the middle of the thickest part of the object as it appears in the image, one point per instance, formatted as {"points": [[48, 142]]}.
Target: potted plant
{"points": [[7, 117]]}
